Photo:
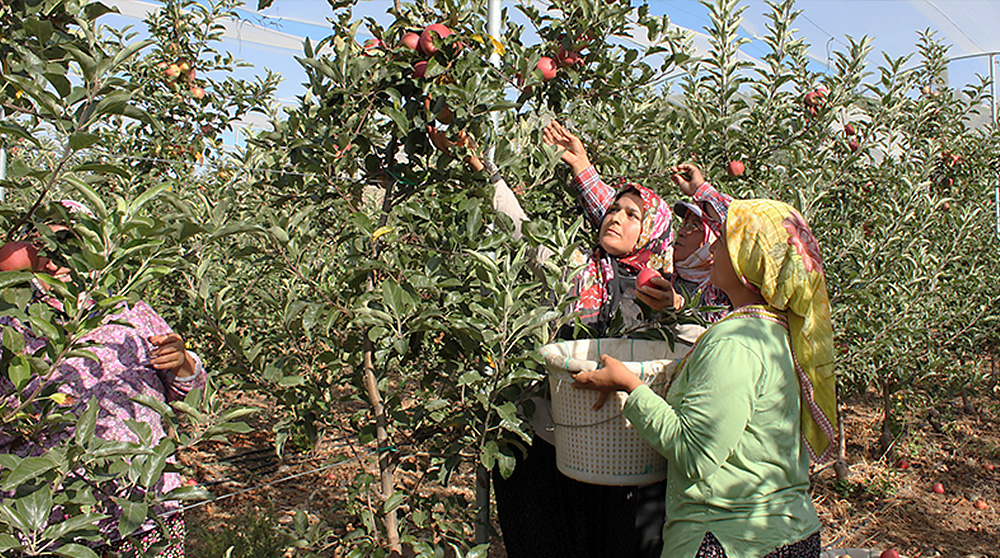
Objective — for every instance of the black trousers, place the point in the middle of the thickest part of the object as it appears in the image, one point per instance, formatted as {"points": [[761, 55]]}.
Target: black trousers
{"points": [[545, 514]]}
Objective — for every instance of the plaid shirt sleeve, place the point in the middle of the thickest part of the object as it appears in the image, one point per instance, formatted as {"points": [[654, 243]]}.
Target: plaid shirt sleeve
{"points": [[595, 195], [707, 195]]}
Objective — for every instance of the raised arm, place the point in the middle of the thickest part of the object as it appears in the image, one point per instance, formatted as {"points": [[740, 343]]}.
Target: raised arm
{"points": [[595, 195], [504, 200], [692, 182]]}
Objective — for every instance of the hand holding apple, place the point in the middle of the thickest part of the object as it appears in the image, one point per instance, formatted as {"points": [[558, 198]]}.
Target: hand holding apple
{"points": [[574, 154], [656, 291]]}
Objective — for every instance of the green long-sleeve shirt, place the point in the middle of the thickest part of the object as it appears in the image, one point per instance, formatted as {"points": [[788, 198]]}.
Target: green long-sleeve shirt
{"points": [[729, 428]]}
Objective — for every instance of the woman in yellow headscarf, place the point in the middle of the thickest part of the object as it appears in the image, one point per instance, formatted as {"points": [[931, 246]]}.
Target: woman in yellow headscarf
{"points": [[752, 403]]}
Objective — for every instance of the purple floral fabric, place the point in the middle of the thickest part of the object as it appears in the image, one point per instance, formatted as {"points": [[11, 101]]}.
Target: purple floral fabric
{"points": [[123, 371]]}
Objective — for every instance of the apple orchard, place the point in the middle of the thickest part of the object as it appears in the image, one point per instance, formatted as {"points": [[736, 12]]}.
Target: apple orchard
{"points": [[341, 269]]}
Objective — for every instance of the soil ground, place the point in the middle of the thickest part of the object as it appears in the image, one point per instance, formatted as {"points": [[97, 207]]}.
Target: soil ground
{"points": [[886, 502]]}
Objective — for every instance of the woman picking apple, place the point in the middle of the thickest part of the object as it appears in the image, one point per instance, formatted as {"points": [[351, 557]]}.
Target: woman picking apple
{"points": [[752, 402], [542, 512], [692, 257]]}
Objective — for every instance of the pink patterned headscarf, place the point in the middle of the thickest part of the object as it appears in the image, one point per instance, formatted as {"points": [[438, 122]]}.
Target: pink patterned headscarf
{"points": [[654, 249]]}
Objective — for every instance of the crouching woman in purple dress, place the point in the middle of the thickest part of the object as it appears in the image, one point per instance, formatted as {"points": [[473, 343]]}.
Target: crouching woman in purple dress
{"points": [[136, 355]]}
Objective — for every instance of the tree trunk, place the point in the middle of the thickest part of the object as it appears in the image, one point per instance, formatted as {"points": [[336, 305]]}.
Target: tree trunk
{"points": [[840, 467], [386, 466], [482, 505], [885, 440]]}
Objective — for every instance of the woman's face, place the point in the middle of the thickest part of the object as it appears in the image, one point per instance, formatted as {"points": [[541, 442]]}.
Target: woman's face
{"points": [[723, 275], [622, 225], [689, 237]]}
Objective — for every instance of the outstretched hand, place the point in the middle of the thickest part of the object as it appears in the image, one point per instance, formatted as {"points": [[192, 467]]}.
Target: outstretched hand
{"points": [[612, 376], [688, 177], [171, 355], [573, 154]]}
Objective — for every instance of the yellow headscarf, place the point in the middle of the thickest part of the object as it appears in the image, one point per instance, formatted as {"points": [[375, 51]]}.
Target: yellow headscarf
{"points": [[774, 251]]}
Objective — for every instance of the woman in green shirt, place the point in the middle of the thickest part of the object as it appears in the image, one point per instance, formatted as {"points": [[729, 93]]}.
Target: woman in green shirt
{"points": [[751, 404]]}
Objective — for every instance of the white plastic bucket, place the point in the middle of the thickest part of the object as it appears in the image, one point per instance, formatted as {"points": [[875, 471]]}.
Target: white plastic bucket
{"points": [[601, 447]]}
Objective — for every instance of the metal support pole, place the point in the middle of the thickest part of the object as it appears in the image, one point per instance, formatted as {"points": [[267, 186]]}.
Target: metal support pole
{"points": [[3, 172], [493, 28], [993, 90], [482, 474]]}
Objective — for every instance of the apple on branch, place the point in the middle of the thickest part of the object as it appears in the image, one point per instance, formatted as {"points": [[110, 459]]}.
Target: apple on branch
{"points": [[427, 37]]}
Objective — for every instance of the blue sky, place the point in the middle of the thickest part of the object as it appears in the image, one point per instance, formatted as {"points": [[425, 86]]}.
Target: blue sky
{"points": [[271, 39]]}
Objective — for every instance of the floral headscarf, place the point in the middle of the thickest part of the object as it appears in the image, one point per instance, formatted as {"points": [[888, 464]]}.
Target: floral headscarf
{"points": [[654, 248], [774, 251]]}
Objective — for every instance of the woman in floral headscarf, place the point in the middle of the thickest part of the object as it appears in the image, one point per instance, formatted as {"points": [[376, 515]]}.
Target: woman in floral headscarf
{"points": [[753, 401], [543, 513]]}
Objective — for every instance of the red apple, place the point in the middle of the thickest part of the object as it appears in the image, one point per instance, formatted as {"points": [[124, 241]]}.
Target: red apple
{"points": [[198, 92], [854, 146], [410, 40], [981, 504], [735, 168], [568, 57], [938, 488], [427, 37], [949, 182], [849, 130], [173, 70], [891, 553], [946, 207], [420, 69], [815, 98], [373, 46], [18, 256], [645, 277], [548, 67], [903, 464], [989, 467]]}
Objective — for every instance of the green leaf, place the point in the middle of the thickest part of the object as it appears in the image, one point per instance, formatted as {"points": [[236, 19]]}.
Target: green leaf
{"points": [[19, 371], [36, 507], [13, 517], [94, 201], [12, 129], [133, 516], [73, 550], [160, 407], [129, 51], [28, 469], [87, 423], [480, 551], [394, 501], [83, 140], [8, 542], [73, 524]]}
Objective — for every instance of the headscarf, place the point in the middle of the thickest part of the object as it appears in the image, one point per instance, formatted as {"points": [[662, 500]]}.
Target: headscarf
{"points": [[600, 284], [697, 267], [773, 251]]}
